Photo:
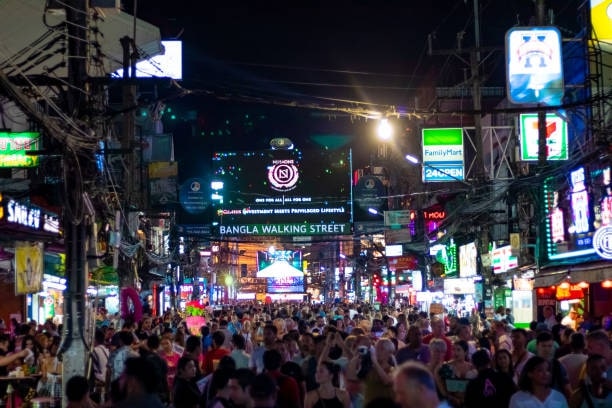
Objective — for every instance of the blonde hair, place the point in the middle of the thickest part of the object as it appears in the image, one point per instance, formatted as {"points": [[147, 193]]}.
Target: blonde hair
{"points": [[438, 345]]}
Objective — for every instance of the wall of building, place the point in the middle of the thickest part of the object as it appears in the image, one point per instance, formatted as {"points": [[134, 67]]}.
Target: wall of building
{"points": [[10, 304]]}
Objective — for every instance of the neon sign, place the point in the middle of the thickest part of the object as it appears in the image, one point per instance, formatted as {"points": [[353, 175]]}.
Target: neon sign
{"points": [[602, 242], [580, 201]]}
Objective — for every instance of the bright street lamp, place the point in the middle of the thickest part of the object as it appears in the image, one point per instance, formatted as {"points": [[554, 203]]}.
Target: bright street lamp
{"points": [[385, 131]]}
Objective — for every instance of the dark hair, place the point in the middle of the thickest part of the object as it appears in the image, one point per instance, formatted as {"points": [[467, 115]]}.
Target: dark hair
{"points": [[76, 388], [525, 383], [271, 327], [182, 363], [272, 359], [99, 336], [153, 342], [125, 337], [227, 363], [192, 343], [218, 338], [239, 341], [263, 386], [243, 376], [544, 336], [577, 341], [144, 371], [219, 380], [520, 331], [464, 346], [334, 370], [506, 352], [481, 359]]}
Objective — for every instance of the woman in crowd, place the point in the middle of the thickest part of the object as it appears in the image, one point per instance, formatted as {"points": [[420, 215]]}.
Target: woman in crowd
{"points": [[534, 387], [414, 348], [170, 356], [502, 363], [437, 349], [327, 395], [378, 382], [454, 374], [185, 393]]}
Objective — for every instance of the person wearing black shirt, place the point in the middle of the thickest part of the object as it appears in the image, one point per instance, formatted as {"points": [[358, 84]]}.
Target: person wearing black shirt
{"points": [[185, 393], [489, 388]]}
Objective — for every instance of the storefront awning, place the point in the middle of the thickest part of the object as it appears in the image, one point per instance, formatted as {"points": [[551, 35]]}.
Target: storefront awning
{"points": [[578, 273]]}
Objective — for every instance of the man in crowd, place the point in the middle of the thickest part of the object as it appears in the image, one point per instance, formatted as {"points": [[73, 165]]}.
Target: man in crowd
{"points": [[270, 333], [239, 384], [212, 358], [437, 332], [415, 387]]}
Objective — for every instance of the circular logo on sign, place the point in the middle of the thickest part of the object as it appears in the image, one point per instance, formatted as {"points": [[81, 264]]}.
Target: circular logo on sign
{"points": [[602, 242], [283, 177], [195, 186]]}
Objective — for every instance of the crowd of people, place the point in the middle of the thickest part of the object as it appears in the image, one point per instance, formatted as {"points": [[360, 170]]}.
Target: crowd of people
{"points": [[345, 355]]}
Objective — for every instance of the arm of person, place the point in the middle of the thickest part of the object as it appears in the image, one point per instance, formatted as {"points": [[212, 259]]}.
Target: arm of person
{"points": [[385, 378], [325, 351], [11, 358], [343, 395], [345, 350]]}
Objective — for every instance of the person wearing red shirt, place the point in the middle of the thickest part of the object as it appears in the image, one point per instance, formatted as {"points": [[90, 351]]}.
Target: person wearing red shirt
{"points": [[437, 332], [288, 389], [212, 358]]}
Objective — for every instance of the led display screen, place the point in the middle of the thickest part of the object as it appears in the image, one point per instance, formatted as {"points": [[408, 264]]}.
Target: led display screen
{"points": [[282, 192], [290, 284]]}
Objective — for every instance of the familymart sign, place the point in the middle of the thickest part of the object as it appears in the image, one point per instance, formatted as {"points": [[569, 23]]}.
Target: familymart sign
{"points": [[443, 154]]}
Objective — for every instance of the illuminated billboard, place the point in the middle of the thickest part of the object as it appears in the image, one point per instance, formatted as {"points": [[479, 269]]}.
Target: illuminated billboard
{"points": [[556, 137], [503, 260], [166, 65], [468, 260], [283, 192], [290, 284], [443, 154], [14, 147], [446, 254], [534, 69], [576, 208]]}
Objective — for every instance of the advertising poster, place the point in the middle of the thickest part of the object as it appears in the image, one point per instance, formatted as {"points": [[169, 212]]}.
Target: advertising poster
{"points": [[28, 267]]}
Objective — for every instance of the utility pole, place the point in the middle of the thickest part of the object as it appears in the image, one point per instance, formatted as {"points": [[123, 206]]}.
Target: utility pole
{"points": [[542, 150], [73, 348]]}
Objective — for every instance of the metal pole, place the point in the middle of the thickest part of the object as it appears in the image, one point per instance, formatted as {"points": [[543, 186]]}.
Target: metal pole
{"points": [[542, 150], [73, 350]]}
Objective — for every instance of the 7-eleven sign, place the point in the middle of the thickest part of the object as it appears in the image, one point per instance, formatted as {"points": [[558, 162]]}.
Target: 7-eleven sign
{"points": [[556, 137]]}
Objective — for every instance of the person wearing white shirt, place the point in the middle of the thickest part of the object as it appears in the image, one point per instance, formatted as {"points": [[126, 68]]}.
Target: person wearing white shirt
{"points": [[534, 386], [571, 320]]}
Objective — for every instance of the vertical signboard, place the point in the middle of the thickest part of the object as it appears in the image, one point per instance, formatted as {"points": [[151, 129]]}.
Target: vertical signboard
{"points": [[468, 260], [443, 154], [556, 137], [534, 65]]}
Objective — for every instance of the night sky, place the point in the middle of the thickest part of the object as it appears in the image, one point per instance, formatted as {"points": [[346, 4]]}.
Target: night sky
{"points": [[250, 63]]}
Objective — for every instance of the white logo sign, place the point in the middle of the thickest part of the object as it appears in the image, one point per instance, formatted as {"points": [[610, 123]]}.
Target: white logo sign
{"points": [[283, 175], [602, 242]]}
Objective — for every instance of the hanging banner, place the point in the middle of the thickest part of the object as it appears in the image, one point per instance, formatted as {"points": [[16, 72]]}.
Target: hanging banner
{"points": [[28, 267]]}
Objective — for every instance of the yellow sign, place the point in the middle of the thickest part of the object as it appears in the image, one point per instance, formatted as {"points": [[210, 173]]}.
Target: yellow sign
{"points": [[28, 267]]}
